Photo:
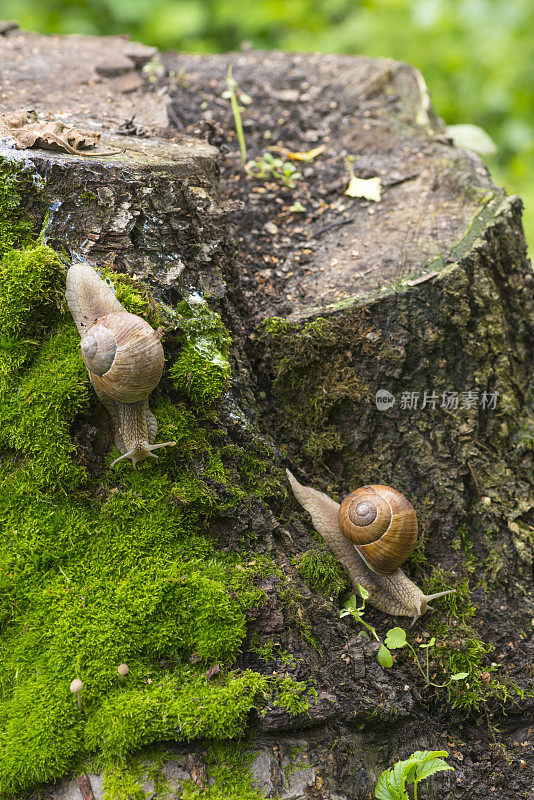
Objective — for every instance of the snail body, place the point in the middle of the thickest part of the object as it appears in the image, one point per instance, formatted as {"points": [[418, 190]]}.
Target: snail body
{"points": [[371, 533], [124, 357]]}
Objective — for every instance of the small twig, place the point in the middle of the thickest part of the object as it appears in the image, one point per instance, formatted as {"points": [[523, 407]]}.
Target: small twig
{"points": [[472, 471], [84, 785], [175, 119], [332, 225], [400, 180], [236, 111], [423, 278]]}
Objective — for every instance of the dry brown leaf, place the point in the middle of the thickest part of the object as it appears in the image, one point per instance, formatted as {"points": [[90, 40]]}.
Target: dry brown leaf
{"points": [[212, 671], [24, 127]]}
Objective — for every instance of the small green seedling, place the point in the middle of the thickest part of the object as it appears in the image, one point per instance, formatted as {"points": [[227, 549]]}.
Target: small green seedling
{"points": [[270, 167], [297, 208], [420, 765], [357, 612], [384, 656], [231, 94], [395, 640]]}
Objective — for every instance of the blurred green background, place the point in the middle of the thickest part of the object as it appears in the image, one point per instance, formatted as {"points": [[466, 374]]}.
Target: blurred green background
{"points": [[477, 56]]}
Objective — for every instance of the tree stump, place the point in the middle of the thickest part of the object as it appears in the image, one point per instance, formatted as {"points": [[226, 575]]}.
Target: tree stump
{"points": [[373, 342]]}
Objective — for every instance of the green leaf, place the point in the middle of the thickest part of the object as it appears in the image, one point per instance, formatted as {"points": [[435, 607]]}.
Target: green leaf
{"points": [[431, 643], [410, 773], [395, 638], [350, 608], [383, 790], [398, 773], [459, 676], [384, 657], [424, 755], [430, 767], [418, 759], [364, 594]]}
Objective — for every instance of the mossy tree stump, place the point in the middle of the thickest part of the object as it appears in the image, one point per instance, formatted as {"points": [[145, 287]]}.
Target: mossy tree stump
{"points": [[425, 295]]}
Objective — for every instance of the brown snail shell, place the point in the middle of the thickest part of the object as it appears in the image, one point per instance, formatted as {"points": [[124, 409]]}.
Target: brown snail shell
{"points": [[98, 349], [382, 525], [124, 355]]}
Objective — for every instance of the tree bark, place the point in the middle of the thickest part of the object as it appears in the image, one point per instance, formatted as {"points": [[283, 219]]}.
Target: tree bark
{"points": [[426, 295]]}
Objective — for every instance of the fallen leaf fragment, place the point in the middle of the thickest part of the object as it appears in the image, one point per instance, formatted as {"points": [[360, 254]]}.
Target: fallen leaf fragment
{"points": [[212, 671], [472, 137], [24, 127], [309, 155], [368, 188]]}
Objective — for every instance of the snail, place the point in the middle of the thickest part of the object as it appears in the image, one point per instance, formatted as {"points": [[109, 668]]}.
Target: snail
{"points": [[372, 533], [124, 358]]}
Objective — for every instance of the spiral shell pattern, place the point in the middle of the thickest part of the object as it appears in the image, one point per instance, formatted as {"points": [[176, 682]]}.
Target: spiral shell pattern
{"points": [[382, 525], [98, 349], [137, 365]]}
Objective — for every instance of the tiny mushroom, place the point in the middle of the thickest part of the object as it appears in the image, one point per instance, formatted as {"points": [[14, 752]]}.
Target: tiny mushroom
{"points": [[123, 669], [77, 686]]}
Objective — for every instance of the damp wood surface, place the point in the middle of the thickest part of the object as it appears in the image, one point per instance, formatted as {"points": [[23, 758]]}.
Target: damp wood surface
{"points": [[429, 290]]}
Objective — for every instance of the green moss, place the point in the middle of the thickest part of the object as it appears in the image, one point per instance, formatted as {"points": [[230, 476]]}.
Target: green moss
{"points": [[36, 409], [134, 296], [314, 374], [293, 599], [29, 295], [202, 370], [124, 782], [463, 543], [16, 181], [459, 648], [95, 571], [322, 572], [29, 280], [266, 651], [89, 582], [272, 651], [457, 605], [294, 696], [88, 196], [181, 708], [225, 767], [38, 403]]}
